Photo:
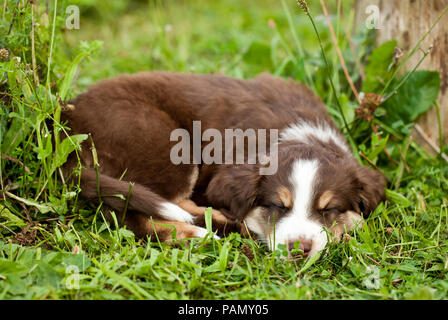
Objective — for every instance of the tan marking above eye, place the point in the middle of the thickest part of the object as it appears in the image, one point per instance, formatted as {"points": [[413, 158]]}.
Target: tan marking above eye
{"points": [[325, 199], [285, 196]]}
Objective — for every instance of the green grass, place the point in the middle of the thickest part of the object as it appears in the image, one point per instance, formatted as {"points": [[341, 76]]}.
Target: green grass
{"points": [[55, 246]]}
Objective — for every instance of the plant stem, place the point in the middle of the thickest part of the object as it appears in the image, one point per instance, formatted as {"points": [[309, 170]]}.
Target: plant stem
{"points": [[339, 52], [51, 45], [33, 54], [439, 122], [304, 7], [296, 40], [127, 203], [403, 81]]}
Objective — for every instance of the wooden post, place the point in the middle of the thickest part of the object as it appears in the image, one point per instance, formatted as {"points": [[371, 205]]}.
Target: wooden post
{"points": [[407, 21]]}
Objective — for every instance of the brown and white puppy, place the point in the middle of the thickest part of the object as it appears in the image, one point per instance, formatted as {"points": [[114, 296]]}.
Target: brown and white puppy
{"points": [[318, 184]]}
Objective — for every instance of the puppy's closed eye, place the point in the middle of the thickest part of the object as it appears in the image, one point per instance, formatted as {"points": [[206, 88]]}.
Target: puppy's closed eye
{"points": [[278, 206], [273, 206], [329, 210]]}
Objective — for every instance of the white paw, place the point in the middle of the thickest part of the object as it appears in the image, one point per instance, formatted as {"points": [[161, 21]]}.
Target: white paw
{"points": [[173, 212], [202, 233]]}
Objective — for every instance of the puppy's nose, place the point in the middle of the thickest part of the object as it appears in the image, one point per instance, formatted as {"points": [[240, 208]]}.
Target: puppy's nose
{"points": [[305, 245]]}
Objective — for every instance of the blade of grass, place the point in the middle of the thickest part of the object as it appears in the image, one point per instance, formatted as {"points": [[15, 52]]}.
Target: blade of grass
{"points": [[339, 52], [303, 4], [296, 41]]}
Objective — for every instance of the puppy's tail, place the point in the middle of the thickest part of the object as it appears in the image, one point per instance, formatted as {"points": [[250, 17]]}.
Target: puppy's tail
{"points": [[119, 194]]}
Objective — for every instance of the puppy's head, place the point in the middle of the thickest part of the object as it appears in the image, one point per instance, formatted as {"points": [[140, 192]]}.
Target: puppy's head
{"points": [[313, 190]]}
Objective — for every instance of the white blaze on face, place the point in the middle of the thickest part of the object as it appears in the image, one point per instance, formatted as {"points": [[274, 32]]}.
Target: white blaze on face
{"points": [[297, 223]]}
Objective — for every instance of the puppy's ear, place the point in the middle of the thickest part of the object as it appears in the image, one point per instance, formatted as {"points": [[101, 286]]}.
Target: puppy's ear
{"points": [[234, 188], [370, 188]]}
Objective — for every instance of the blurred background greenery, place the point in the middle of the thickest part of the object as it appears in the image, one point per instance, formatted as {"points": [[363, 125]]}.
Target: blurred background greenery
{"points": [[237, 38]]}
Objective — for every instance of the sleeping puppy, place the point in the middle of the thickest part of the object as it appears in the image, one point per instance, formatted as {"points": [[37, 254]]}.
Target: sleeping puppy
{"points": [[156, 136]]}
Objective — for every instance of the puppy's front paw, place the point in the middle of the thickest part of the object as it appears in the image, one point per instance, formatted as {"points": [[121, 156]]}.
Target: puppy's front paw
{"points": [[220, 223]]}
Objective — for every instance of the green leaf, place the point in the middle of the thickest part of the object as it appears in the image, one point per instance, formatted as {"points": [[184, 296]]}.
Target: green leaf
{"points": [[44, 274], [10, 267], [424, 293], [220, 264], [87, 49], [407, 268], [208, 219], [153, 256], [58, 205], [377, 147], [215, 267], [16, 133], [45, 148], [63, 260], [224, 255], [127, 234], [347, 109], [70, 74], [17, 286], [43, 208], [67, 146], [378, 71], [397, 198], [310, 261], [416, 96], [11, 219]]}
